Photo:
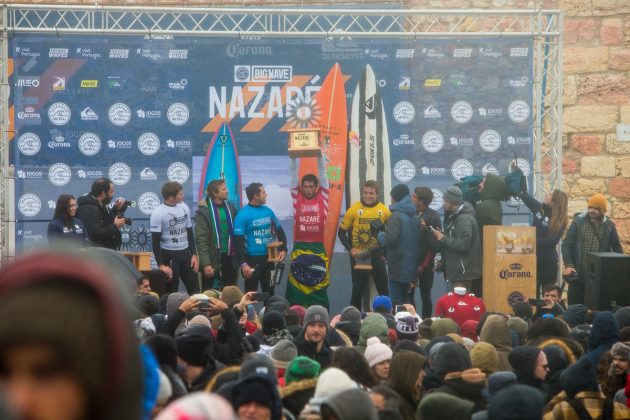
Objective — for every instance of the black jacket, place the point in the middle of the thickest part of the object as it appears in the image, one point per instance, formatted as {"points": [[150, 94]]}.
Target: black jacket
{"points": [[545, 242], [99, 222], [428, 245], [309, 349]]}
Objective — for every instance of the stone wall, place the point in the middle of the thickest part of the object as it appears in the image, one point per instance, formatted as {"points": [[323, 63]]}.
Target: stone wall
{"points": [[596, 86]]}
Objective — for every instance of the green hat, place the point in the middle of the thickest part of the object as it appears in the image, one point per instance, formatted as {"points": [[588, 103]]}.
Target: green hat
{"points": [[300, 368]]}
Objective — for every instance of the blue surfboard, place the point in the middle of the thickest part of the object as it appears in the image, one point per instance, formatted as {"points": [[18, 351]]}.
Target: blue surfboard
{"points": [[221, 162]]}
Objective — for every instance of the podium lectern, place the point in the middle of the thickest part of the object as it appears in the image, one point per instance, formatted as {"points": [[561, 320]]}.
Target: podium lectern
{"points": [[509, 266]]}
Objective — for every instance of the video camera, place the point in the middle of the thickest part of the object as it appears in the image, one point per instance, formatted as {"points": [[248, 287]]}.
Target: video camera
{"points": [[123, 209]]}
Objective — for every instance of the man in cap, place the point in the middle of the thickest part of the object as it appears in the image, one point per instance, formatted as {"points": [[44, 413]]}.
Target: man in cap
{"points": [[590, 231], [312, 342], [460, 243]]}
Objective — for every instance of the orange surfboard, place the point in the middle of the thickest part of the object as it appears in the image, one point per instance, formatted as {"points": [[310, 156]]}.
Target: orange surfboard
{"points": [[333, 124]]}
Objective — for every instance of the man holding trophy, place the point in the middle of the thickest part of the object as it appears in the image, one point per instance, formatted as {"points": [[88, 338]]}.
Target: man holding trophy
{"points": [[366, 257], [308, 276]]}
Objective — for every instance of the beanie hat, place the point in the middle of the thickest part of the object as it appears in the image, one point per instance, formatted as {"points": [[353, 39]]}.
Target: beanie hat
{"points": [[282, 353], [174, 301], [258, 364], [523, 310], [599, 202], [273, 321], [351, 404], [300, 311], [407, 327], [316, 313], [576, 315], [485, 357], [301, 367], [199, 320], [254, 388], [147, 304], [164, 349], [194, 345], [399, 192], [231, 295], [523, 359], [440, 405], [621, 350], [499, 380], [212, 293], [277, 303], [198, 405], [408, 345], [452, 357], [622, 315], [333, 381], [453, 195], [517, 402], [350, 314], [377, 352], [579, 377], [382, 304]]}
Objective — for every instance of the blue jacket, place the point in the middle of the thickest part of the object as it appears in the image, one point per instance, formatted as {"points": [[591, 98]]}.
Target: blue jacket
{"points": [[402, 240]]}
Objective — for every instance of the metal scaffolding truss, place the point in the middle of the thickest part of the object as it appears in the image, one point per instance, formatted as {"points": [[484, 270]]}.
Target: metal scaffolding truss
{"points": [[543, 26]]}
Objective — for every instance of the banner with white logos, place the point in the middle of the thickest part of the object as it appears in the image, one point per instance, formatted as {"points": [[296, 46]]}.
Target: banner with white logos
{"points": [[142, 111]]}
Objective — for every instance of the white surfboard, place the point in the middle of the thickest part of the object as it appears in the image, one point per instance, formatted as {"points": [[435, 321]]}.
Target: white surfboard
{"points": [[368, 141]]}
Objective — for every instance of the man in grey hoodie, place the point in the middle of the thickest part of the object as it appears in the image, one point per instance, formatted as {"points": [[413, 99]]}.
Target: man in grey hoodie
{"points": [[402, 241], [460, 244]]}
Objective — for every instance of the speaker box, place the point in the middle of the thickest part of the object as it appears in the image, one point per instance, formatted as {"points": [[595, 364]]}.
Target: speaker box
{"points": [[607, 281]]}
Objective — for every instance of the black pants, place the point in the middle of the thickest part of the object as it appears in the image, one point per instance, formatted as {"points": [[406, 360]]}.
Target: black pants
{"points": [[262, 274], [361, 281], [225, 277], [179, 261], [575, 294], [546, 273], [425, 284]]}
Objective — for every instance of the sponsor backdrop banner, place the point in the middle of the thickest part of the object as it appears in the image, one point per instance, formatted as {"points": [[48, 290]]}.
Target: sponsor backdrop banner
{"points": [[142, 111]]}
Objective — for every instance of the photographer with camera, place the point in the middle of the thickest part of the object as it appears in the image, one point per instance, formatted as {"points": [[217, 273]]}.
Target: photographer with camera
{"points": [[102, 222], [550, 305]]}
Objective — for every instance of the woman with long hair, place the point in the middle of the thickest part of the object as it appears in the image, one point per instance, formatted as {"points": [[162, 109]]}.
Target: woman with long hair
{"points": [[65, 229], [351, 361], [550, 221]]}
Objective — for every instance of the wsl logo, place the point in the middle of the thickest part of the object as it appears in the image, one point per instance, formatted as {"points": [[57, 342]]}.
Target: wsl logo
{"points": [[514, 272]]}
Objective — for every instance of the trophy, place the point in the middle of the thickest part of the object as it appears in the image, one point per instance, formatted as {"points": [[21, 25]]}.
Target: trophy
{"points": [[273, 251], [304, 143]]}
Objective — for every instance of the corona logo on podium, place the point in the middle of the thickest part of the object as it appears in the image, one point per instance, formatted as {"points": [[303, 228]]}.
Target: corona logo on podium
{"points": [[509, 266]]}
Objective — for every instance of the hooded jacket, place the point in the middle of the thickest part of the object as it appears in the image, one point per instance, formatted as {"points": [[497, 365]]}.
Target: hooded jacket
{"points": [[94, 330], [206, 235], [402, 240], [99, 222], [374, 325], [403, 374], [524, 359], [461, 246], [351, 404], [496, 332], [604, 333], [489, 211], [467, 385]]}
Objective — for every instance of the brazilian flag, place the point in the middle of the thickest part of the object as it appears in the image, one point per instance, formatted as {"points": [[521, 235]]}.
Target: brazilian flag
{"points": [[308, 275]]}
